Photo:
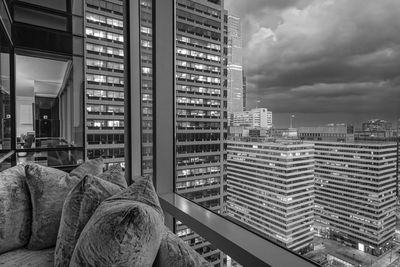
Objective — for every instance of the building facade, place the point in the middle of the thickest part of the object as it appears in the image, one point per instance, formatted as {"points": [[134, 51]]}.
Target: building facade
{"points": [[255, 118], [104, 44], [201, 111], [355, 193], [146, 75], [271, 189], [235, 66], [334, 133]]}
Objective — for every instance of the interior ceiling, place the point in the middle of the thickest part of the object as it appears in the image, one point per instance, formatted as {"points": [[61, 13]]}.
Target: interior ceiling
{"points": [[38, 76]]}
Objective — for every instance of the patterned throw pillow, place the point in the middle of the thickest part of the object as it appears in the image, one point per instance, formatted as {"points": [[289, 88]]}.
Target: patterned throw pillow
{"points": [[115, 175], [125, 230], [15, 211], [48, 188], [175, 252], [93, 167], [79, 206]]}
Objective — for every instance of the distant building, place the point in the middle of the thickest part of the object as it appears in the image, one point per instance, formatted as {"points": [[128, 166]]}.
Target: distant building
{"points": [[271, 189], [234, 67], [333, 133], [238, 131], [376, 125], [376, 128], [258, 132], [244, 92], [255, 118], [355, 193]]}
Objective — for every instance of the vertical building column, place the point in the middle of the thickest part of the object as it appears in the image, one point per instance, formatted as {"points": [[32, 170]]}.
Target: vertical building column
{"points": [[133, 141], [164, 95]]}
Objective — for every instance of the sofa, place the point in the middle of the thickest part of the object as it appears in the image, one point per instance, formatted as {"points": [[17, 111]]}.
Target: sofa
{"points": [[84, 218]]}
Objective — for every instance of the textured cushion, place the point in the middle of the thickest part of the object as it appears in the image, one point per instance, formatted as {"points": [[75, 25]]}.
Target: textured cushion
{"points": [[28, 258], [93, 167], [115, 175], [79, 206], [175, 252], [15, 209], [125, 230], [48, 188]]}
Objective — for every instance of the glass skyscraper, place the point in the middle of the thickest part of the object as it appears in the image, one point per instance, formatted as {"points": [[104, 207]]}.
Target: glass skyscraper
{"points": [[235, 66]]}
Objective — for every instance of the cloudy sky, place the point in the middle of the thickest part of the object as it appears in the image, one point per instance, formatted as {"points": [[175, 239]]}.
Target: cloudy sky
{"points": [[322, 60]]}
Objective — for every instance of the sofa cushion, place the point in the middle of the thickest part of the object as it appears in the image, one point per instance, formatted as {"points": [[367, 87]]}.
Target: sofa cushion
{"points": [[175, 252], [80, 204], [28, 258], [15, 209], [125, 230], [48, 188], [93, 167], [115, 175]]}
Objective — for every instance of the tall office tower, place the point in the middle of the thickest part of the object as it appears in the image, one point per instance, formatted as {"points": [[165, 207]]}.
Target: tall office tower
{"points": [[244, 92], [235, 67], [355, 193], [104, 80], [201, 115], [146, 85], [271, 189], [255, 118]]}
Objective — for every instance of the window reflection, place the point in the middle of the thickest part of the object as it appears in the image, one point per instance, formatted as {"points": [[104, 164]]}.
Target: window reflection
{"points": [[48, 111], [5, 111]]}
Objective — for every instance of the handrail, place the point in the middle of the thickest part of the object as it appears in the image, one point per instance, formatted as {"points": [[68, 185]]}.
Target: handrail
{"points": [[244, 246], [6, 156]]}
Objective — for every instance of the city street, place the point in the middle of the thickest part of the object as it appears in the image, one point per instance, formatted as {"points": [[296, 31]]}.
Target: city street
{"points": [[355, 256]]}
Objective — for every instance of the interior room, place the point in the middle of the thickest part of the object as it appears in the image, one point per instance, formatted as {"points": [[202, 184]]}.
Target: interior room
{"points": [[48, 110]]}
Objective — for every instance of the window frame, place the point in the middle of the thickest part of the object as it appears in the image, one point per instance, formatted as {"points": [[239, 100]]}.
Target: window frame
{"points": [[249, 248]]}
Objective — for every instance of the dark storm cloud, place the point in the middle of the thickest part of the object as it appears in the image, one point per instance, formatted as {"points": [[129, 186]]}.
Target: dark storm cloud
{"points": [[323, 56]]}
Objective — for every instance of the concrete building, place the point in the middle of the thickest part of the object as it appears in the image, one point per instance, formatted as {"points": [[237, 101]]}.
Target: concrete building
{"points": [[235, 66], [104, 74], [201, 108], [334, 133], [255, 118], [271, 189], [355, 193]]}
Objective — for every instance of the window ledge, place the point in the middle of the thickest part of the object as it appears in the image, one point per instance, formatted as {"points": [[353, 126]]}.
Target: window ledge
{"points": [[242, 245]]}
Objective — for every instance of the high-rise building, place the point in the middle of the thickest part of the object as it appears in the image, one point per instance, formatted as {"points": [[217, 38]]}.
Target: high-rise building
{"points": [[235, 66], [146, 75], [104, 100], [355, 193], [271, 189], [255, 118], [334, 133], [201, 110], [244, 92]]}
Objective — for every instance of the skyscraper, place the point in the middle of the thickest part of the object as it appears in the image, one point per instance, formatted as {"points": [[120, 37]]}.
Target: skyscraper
{"points": [[104, 100], [244, 92], [235, 66], [201, 110], [146, 75], [355, 193], [271, 189]]}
